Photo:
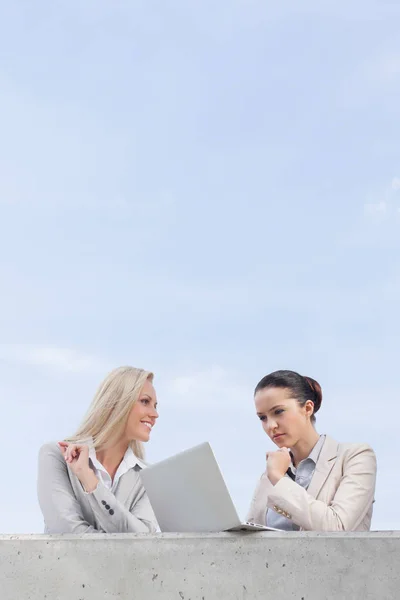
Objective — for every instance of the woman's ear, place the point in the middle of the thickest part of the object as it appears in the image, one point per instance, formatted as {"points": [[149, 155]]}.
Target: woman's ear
{"points": [[309, 408]]}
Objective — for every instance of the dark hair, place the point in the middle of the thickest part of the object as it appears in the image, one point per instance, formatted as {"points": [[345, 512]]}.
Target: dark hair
{"points": [[303, 388]]}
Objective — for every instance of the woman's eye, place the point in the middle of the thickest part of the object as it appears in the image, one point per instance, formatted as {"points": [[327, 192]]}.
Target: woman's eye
{"points": [[279, 411], [262, 418], [145, 400]]}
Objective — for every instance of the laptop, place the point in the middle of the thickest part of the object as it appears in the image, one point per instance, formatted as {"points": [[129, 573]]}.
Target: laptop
{"points": [[189, 494]]}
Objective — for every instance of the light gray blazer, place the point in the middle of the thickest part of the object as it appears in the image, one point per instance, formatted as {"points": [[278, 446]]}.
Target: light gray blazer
{"points": [[67, 508]]}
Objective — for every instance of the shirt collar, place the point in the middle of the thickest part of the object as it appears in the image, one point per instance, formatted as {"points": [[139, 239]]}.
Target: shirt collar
{"points": [[314, 454], [130, 459]]}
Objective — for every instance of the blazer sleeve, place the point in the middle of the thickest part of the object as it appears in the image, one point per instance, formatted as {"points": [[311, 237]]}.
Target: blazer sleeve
{"points": [[61, 510], [114, 517], [258, 507], [349, 506]]}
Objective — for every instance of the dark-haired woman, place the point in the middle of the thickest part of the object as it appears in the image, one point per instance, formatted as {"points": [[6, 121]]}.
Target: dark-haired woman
{"points": [[311, 482]]}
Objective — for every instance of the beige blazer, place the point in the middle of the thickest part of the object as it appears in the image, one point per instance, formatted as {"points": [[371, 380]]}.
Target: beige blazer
{"points": [[339, 497]]}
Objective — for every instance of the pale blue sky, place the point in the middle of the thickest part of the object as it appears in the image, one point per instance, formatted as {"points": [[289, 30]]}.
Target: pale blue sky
{"points": [[210, 191]]}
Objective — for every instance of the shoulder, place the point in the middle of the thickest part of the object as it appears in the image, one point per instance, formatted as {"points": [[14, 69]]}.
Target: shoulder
{"points": [[345, 448], [50, 450], [357, 452], [348, 453], [52, 468], [354, 448]]}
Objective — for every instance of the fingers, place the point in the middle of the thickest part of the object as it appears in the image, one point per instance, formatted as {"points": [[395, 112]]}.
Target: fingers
{"points": [[282, 450], [270, 453], [70, 451], [63, 447]]}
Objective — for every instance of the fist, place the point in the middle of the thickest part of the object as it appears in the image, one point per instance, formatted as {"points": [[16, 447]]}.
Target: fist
{"points": [[278, 463], [76, 456]]}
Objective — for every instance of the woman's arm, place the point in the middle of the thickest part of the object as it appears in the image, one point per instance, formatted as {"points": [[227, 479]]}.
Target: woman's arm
{"points": [[111, 513], [61, 510], [114, 517], [258, 506], [351, 503]]}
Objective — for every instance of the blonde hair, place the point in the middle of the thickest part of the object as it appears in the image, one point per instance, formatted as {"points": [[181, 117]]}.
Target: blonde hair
{"points": [[105, 421]]}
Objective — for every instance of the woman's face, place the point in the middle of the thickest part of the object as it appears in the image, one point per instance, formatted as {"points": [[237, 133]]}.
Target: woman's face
{"points": [[143, 415], [282, 417]]}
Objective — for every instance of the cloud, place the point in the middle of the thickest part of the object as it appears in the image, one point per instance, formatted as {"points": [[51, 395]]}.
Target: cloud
{"points": [[384, 207], [377, 209], [374, 82], [61, 359], [213, 386], [396, 184], [389, 68], [383, 69]]}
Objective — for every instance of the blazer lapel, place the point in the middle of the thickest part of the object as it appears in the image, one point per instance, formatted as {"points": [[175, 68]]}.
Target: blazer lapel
{"points": [[324, 466]]}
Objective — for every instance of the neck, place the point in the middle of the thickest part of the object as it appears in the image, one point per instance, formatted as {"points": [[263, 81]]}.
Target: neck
{"points": [[111, 458], [304, 446]]}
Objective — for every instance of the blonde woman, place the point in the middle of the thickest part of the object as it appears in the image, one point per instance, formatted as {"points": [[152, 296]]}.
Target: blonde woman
{"points": [[311, 482], [90, 483]]}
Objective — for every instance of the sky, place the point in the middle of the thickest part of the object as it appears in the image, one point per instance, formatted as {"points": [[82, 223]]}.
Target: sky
{"points": [[210, 191]]}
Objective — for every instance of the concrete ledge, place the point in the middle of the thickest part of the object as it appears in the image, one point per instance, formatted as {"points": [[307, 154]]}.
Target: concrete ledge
{"points": [[302, 566]]}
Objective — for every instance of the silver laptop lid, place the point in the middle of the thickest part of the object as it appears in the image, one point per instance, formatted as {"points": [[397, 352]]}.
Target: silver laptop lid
{"points": [[188, 493]]}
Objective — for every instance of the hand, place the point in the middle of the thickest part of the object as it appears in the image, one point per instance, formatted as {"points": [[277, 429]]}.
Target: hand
{"points": [[77, 458], [278, 463]]}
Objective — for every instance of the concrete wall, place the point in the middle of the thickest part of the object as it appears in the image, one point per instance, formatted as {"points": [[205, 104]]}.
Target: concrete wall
{"points": [[300, 566]]}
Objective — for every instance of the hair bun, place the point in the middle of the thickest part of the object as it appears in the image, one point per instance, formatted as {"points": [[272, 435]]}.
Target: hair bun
{"points": [[317, 393]]}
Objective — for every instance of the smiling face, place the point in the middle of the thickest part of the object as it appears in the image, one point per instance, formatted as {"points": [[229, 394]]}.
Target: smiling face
{"points": [[143, 415], [283, 419]]}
